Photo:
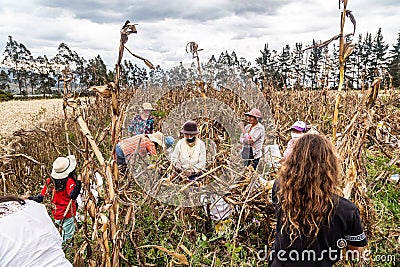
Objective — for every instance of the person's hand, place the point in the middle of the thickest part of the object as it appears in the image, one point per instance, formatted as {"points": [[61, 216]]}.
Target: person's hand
{"points": [[187, 173], [79, 178], [178, 167], [25, 197]]}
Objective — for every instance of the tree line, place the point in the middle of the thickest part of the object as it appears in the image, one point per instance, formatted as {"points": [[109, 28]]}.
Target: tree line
{"points": [[313, 67]]}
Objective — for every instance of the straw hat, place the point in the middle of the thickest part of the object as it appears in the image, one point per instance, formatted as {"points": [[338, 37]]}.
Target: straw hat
{"points": [[157, 137], [147, 106], [254, 112], [190, 127], [63, 166]]}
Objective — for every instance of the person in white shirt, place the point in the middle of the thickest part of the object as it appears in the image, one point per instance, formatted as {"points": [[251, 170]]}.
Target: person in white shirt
{"points": [[28, 237], [252, 138], [189, 155]]}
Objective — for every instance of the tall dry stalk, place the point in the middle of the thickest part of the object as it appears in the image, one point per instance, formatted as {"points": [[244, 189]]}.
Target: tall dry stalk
{"points": [[345, 50], [194, 49]]}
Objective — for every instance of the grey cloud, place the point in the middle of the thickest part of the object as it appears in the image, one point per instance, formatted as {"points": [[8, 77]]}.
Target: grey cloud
{"points": [[147, 11]]}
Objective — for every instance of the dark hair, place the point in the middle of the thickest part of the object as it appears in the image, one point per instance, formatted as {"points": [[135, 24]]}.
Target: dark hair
{"points": [[12, 198], [61, 184]]}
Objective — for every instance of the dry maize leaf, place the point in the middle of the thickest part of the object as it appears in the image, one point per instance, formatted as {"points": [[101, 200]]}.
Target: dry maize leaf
{"points": [[103, 219], [91, 208], [177, 256], [352, 19], [128, 28], [348, 49], [186, 250], [102, 90], [79, 260], [149, 64], [151, 166]]}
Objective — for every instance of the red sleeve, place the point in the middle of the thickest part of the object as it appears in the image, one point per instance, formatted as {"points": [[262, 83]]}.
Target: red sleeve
{"points": [[70, 186], [44, 189]]}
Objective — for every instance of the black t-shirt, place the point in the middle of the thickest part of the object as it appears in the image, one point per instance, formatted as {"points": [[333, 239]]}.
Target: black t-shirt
{"points": [[344, 229]]}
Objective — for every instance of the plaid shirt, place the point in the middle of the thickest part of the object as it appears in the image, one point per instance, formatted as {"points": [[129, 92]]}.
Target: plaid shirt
{"points": [[130, 144]]}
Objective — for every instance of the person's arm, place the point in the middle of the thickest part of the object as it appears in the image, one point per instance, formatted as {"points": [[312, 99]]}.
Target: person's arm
{"points": [[132, 125], [151, 124], [150, 147], [288, 149], [356, 239], [202, 159], [76, 187], [255, 134], [39, 198], [245, 137], [175, 157], [355, 255]]}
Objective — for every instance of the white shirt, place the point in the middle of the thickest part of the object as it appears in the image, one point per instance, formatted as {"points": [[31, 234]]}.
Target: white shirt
{"points": [[28, 237], [257, 133], [190, 157]]}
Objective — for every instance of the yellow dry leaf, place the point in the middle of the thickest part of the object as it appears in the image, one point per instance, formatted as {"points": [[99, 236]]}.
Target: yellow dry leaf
{"points": [[177, 256]]}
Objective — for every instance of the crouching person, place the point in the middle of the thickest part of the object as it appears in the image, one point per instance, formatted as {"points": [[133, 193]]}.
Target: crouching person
{"points": [[65, 189]]}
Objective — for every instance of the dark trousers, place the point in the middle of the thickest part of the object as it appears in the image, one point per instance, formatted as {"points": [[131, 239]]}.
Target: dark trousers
{"points": [[253, 162]]}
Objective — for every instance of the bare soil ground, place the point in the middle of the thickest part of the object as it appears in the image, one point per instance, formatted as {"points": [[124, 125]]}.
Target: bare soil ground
{"points": [[17, 114]]}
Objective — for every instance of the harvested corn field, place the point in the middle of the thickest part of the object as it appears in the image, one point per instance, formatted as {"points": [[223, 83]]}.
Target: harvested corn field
{"points": [[199, 200], [15, 115]]}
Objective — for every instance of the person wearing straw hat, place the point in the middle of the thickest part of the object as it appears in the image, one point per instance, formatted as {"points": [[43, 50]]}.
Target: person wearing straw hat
{"points": [[145, 143], [252, 138], [189, 155], [142, 123], [66, 188]]}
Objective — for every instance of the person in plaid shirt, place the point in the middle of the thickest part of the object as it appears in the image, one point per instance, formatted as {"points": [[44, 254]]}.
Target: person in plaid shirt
{"points": [[126, 148]]}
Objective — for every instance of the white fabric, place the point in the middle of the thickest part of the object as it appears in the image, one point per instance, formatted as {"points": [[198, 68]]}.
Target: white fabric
{"points": [[219, 208], [29, 238], [190, 157], [272, 155]]}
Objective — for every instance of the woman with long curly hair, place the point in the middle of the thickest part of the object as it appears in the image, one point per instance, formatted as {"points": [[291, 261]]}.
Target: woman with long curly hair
{"points": [[313, 222]]}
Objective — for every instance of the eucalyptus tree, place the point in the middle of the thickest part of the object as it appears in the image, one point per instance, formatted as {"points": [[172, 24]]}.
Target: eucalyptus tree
{"points": [[285, 66], [46, 73], [157, 76], [17, 59], [267, 63], [95, 72], [4, 80], [357, 62], [298, 66], [314, 64]]}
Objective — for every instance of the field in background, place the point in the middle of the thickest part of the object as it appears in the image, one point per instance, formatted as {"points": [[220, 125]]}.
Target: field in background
{"points": [[15, 115]]}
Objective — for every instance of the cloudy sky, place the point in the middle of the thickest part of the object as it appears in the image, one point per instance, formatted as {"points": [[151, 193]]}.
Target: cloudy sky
{"points": [[165, 27]]}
